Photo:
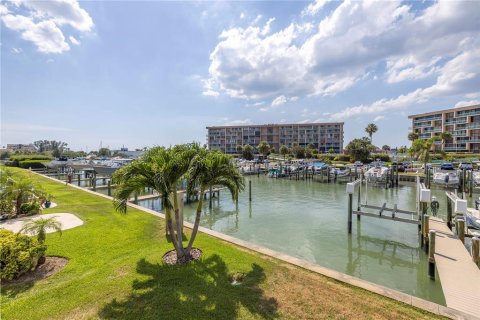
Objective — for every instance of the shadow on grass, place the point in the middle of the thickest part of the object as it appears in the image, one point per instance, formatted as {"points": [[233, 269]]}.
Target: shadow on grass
{"points": [[199, 290], [12, 290]]}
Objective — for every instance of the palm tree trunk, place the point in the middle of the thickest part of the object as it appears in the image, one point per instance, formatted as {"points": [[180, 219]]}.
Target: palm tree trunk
{"points": [[197, 222], [18, 204], [170, 229], [178, 225]]}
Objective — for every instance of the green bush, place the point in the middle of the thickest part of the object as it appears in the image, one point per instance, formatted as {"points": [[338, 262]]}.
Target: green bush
{"points": [[382, 156], [325, 157], [6, 207], [30, 209], [342, 157], [19, 254], [34, 164]]}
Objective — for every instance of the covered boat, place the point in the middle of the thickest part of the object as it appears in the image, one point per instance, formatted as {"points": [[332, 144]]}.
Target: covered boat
{"points": [[446, 178]]}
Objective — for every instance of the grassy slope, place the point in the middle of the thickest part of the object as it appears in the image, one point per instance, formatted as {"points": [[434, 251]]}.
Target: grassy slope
{"points": [[115, 272]]}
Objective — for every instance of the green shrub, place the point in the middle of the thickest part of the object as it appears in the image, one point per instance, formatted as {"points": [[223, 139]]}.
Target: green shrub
{"points": [[19, 254], [325, 157], [342, 157], [34, 164], [6, 207], [30, 209], [381, 156]]}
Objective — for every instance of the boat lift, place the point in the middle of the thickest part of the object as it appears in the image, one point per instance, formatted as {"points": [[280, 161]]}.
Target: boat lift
{"points": [[384, 211]]}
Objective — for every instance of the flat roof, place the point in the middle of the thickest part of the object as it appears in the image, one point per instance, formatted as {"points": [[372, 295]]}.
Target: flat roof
{"points": [[442, 111], [276, 125]]}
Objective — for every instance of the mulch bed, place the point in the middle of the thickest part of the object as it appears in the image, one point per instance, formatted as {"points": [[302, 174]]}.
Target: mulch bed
{"points": [[170, 257], [51, 266]]}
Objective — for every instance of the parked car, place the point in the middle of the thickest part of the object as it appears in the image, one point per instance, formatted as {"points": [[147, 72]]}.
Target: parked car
{"points": [[358, 164], [447, 166], [466, 166]]}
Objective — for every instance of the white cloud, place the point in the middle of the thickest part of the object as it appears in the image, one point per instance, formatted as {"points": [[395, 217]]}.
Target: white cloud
{"points": [[279, 101], [242, 15], [378, 118], [466, 103], [40, 22], [458, 77], [74, 41], [314, 7], [357, 40]]}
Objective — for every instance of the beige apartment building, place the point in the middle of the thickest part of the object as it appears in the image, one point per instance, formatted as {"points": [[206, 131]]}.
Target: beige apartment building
{"points": [[462, 123], [324, 136]]}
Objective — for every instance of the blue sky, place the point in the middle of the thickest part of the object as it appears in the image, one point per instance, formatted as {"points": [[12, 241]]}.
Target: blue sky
{"points": [[157, 73]]}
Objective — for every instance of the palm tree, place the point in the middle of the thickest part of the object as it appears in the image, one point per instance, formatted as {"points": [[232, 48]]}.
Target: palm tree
{"points": [[386, 147], [445, 136], [413, 136], [422, 149], [239, 149], [161, 170], [247, 152], [264, 148], [40, 227], [284, 151], [371, 129], [19, 190], [208, 170]]}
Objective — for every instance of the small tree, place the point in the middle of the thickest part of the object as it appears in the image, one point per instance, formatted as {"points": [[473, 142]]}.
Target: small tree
{"points": [[247, 152], [239, 149], [371, 129], [40, 226], [299, 152], [284, 151], [104, 152], [264, 148], [445, 136], [386, 147], [359, 149], [331, 151], [421, 148]]}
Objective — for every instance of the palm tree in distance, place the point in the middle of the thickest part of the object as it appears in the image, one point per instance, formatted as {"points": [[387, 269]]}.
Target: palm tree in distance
{"points": [[264, 148], [40, 227], [371, 129], [208, 170], [284, 151], [412, 136], [445, 136], [19, 190]]}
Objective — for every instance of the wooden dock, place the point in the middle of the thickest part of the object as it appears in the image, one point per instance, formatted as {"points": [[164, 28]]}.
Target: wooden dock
{"points": [[459, 276]]}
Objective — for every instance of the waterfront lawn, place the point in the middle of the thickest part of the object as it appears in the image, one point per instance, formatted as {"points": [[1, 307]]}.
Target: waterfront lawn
{"points": [[115, 272]]}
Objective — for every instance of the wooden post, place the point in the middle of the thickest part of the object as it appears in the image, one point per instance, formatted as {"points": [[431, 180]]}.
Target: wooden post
{"points": [[78, 179], [94, 182], [104, 181], [475, 250], [463, 181], [350, 212], [135, 200], [425, 231], [461, 229], [470, 180], [210, 204], [396, 183], [449, 213], [431, 254], [109, 188], [250, 190]]}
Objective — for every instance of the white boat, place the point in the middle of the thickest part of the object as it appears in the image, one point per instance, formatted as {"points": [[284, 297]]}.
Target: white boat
{"points": [[476, 177], [472, 218], [340, 172], [376, 174], [446, 178]]}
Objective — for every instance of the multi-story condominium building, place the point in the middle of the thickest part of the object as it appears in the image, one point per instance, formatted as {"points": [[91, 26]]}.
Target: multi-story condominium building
{"points": [[21, 147], [324, 136], [462, 123]]}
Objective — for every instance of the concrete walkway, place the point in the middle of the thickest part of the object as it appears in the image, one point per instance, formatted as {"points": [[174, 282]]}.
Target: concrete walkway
{"points": [[67, 220]]}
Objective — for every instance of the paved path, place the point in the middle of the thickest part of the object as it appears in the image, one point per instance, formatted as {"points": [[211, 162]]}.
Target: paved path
{"points": [[67, 220]]}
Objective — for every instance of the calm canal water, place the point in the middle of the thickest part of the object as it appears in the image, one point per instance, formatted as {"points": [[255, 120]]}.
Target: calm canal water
{"points": [[308, 220]]}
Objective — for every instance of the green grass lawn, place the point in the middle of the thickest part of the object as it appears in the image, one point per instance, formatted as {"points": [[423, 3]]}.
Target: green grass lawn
{"points": [[115, 271]]}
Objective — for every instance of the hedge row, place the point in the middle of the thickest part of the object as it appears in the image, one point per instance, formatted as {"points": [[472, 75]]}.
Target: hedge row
{"points": [[34, 164], [25, 157]]}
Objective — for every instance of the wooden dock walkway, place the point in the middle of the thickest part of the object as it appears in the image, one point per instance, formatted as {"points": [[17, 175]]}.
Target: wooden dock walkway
{"points": [[459, 276]]}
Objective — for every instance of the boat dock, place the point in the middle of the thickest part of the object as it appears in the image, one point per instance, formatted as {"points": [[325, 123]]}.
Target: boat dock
{"points": [[459, 276]]}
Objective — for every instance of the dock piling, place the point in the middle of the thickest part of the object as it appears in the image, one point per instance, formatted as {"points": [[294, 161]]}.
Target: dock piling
{"points": [[350, 212], [461, 229], [475, 250], [431, 253], [425, 232], [250, 190], [109, 188]]}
